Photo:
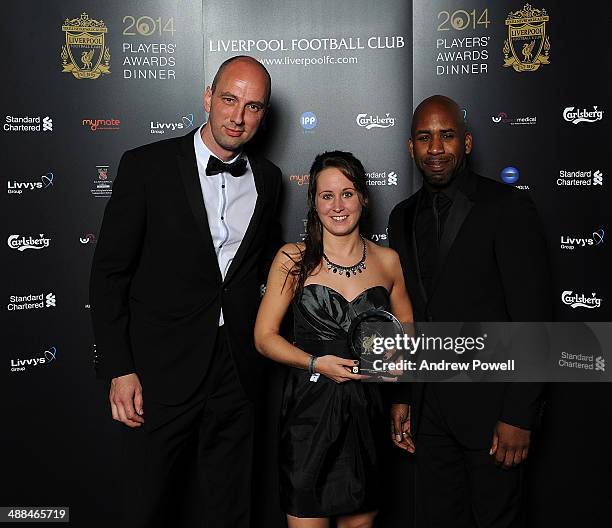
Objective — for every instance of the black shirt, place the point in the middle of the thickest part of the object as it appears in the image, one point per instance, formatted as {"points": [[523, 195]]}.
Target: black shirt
{"points": [[432, 213]]}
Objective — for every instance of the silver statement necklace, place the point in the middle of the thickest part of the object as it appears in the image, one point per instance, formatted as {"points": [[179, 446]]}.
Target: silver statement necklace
{"points": [[349, 271]]}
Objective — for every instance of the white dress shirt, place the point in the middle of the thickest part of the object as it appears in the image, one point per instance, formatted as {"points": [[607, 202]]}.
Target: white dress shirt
{"points": [[230, 202]]}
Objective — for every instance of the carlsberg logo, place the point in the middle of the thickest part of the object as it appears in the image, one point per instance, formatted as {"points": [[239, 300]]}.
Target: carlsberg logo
{"points": [[576, 300], [579, 116], [21, 243], [370, 121]]}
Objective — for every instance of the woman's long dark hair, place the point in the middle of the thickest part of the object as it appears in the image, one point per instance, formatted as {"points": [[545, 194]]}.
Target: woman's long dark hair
{"points": [[310, 258]]}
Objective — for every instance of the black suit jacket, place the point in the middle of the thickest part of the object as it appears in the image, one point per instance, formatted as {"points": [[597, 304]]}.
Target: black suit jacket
{"points": [[492, 266], [156, 290]]}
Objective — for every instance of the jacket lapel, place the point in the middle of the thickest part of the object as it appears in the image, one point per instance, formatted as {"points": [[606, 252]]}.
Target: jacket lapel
{"points": [[462, 205], [255, 219], [188, 169], [407, 247]]}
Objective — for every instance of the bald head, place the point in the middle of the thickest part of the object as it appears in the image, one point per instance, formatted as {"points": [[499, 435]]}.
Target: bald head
{"points": [[243, 61], [439, 142], [437, 103]]}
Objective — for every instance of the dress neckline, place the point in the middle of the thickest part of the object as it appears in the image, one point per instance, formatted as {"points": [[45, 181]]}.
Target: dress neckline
{"points": [[343, 297]]}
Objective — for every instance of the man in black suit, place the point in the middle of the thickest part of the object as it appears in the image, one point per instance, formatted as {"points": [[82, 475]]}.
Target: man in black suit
{"points": [[185, 243], [472, 249]]}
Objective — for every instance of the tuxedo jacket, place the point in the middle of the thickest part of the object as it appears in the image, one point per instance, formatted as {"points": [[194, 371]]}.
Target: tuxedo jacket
{"points": [[492, 265], [156, 290]]}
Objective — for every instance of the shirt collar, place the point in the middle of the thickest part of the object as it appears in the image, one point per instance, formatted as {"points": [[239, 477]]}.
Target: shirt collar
{"points": [[450, 190]]}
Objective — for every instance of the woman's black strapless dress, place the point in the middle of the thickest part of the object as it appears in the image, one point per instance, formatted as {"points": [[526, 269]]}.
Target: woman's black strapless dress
{"points": [[330, 433]]}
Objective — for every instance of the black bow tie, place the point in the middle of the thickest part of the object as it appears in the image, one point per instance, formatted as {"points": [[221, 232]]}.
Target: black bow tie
{"points": [[216, 166]]}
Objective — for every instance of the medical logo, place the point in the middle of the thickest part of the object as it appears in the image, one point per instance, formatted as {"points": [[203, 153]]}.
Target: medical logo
{"points": [[510, 175], [85, 54], [308, 120], [89, 238], [571, 115], [505, 119], [580, 300], [527, 46]]}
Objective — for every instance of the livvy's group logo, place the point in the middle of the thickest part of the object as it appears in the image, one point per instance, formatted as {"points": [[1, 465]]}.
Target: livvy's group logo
{"points": [[580, 300], [42, 360], [573, 115], [85, 53], [573, 242], [369, 121], [181, 123], [22, 242], [19, 187], [527, 46]]}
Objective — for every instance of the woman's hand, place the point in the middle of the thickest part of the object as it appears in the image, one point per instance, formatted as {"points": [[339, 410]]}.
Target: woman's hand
{"points": [[337, 369]]}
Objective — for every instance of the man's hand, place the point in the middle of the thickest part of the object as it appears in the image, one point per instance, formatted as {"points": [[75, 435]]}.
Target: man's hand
{"points": [[126, 400], [400, 427], [510, 445]]}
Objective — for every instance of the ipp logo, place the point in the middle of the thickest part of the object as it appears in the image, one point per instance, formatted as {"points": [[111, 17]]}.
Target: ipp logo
{"points": [[510, 175], [308, 120]]}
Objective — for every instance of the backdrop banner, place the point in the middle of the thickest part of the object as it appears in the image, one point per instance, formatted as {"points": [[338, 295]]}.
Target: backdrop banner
{"points": [[85, 81]]}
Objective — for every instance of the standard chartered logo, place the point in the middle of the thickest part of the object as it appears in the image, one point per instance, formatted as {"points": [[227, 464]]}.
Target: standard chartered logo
{"points": [[47, 124], [34, 301], [600, 363], [50, 300], [381, 178], [597, 178]]}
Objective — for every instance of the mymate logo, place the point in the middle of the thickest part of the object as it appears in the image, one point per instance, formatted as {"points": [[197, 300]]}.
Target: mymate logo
{"points": [[19, 187], [42, 360]]}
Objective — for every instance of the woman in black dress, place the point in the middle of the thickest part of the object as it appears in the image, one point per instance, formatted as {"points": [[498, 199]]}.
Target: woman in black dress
{"points": [[331, 424]]}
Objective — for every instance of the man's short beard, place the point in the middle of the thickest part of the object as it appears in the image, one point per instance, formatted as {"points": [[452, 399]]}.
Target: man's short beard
{"points": [[443, 183]]}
